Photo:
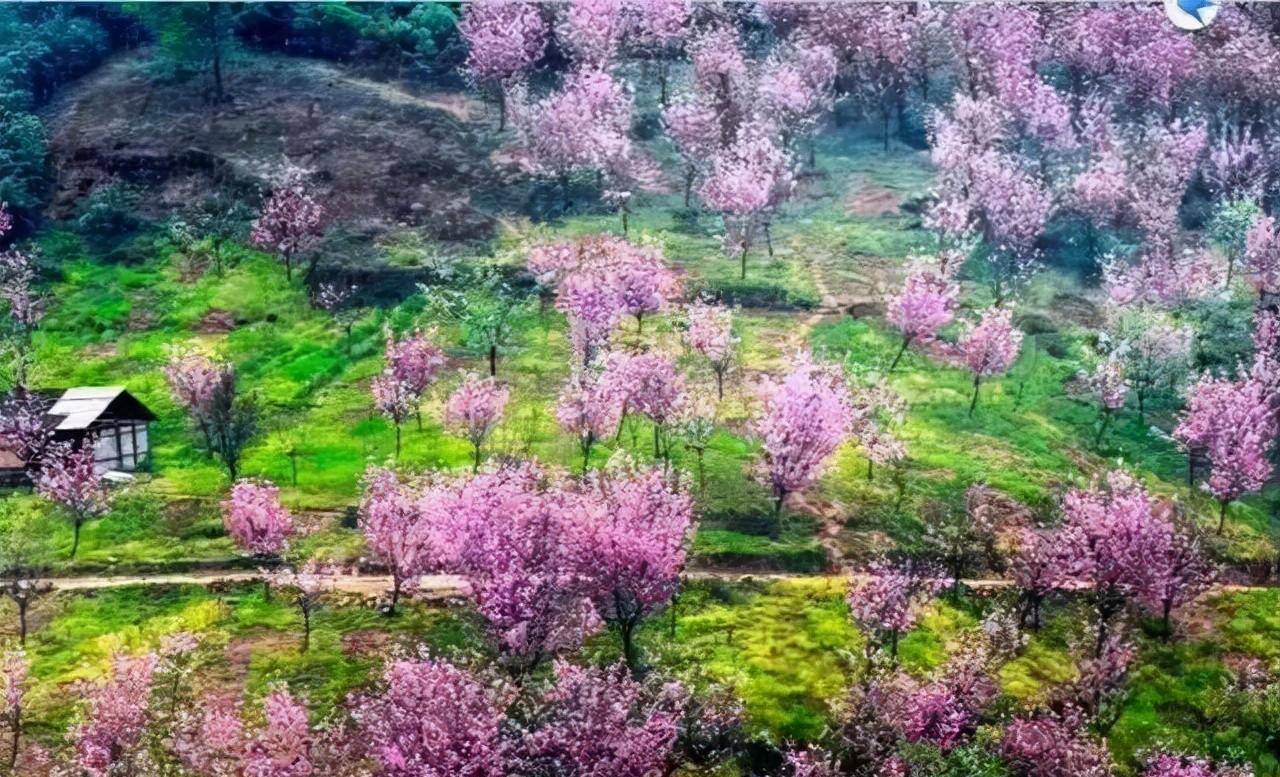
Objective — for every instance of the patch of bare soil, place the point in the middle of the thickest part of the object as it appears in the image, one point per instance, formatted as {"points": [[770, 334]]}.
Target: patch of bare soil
{"points": [[378, 156], [868, 200], [216, 322]]}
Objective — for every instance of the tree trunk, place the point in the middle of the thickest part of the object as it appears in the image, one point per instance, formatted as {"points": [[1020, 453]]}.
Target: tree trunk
{"points": [[475, 462], [17, 734], [893, 646], [587, 442], [75, 535], [306, 629], [688, 185], [657, 449], [720, 384], [906, 341], [744, 259], [22, 621], [1222, 515], [1167, 619], [397, 441], [1104, 422], [768, 239], [493, 360], [214, 36], [502, 108], [395, 594], [871, 465], [626, 630], [973, 403], [775, 531]]}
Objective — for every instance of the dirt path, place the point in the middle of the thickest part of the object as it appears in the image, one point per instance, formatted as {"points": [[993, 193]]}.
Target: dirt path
{"points": [[441, 586]]}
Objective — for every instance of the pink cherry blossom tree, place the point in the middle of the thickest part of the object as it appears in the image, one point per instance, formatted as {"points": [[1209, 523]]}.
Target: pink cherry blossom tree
{"points": [[1033, 567], [509, 534], [600, 721], [590, 408], [1112, 537], [1054, 746], [24, 309], [193, 380], [1109, 386], [1234, 422], [428, 718], [474, 410], [415, 361], [14, 669], [989, 348], [282, 747], [650, 386], [747, 180], [645, 285], [709, 333], [289, 224], [504, 39], [634, 546], [656, 29], [885, 599], [1262, 256], [107, 739], [69, 478], [1179, 574], [395, 399], [806, 417], [255, 519], [592, 31], [306, 587], [693, 125], [394, 530], [924, 305], [24, 428]]}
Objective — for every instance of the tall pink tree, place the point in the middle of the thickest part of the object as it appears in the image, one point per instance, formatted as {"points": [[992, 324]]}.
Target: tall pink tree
{"points": [[748, 179], [989, 348], [1033, 567], [693, 125], [511, 534], [592, 30], [474, 410], [24, 308], [290, 223], [429, 718], [634, 545], [394, 530], [806, 416], [504, 40], [415, 361], [1262, 256], [590, 408], [709, 333], [193, 380], [395, 399], [924, 305], [107, 739], [651, 387], [1112, 537], [14, 671], [1234, 422], [597, 721], [69, 478], [885, 600], [255, 519], [1180, 572]]}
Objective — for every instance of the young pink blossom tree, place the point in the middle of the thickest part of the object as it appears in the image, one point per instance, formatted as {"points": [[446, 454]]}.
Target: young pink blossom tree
{"points": [[634, 544], [709, 333], [394, 530], [1179, 574], [656, 30], [645, 285], [694, 126], [107, 739], [748, 179], [25, 428], [924, 305], [282, 747], [1033, 567], [989, 348], [69, 478], [395, 399], [14, 669], [504, 39], [885, 600], [289, 224], [193, 380], [1054, 746], [590, 408], [429, 718], [592, 31], [414, 360], [307, 587], [1262, 256], [806, 417], [651, 387], [597, 721], [1110, 386], [1110, 543], [255, 519], [25, 309], [474, 410], [1234, 422]]}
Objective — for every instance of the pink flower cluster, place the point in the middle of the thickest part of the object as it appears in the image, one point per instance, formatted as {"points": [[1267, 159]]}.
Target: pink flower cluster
{"points": [[255, 519]]}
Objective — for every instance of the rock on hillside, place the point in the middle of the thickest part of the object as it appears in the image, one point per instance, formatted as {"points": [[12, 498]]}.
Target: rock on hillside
{"points": [[379, 156]]}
